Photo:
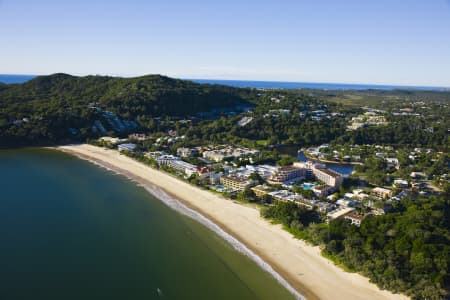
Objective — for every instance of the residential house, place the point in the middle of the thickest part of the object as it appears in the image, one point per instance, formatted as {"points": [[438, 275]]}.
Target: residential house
{"points": [[126, 147], [381, 192]]}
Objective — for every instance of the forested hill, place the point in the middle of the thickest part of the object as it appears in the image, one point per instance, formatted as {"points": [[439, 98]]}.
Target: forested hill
{"points": [[50, 105], [151, 94]]}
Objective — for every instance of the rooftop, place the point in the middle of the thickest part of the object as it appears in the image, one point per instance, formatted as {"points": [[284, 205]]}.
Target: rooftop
{"points": [[331, 172], [353, 215], [288, 168], [235, 178]]}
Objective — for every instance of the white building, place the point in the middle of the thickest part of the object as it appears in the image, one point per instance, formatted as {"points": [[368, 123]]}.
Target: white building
{"points": [[329, 177], [176, 163], [126, 147], [228, 152]]}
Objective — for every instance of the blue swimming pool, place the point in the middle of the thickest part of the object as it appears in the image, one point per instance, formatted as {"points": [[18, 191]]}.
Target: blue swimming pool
{"points": [[307, 186]]}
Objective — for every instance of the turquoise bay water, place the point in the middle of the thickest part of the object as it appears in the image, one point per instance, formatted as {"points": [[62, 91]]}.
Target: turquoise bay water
{"points": [[71, 230]]}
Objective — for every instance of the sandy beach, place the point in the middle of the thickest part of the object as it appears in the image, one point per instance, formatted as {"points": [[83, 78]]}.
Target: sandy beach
{"points": [[300, 264]]}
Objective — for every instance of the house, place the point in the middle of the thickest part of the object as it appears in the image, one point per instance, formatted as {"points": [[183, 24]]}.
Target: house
{"points": [[418, 175], [345, 202], [110, 140], [155, 154], [355, 218], [400, 183], [322, 191], [381, 192], [126, 147], [339, 212], [393, 161], [186, 152], [137, 136], [380, 154]]}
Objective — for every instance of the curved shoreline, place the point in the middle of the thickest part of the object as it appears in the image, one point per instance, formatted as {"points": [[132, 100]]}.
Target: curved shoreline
{"points": [[184, 208], [296, 265]]}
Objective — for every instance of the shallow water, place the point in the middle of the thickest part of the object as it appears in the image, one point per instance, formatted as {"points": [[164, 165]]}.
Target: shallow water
{"points": [[72, 230]]}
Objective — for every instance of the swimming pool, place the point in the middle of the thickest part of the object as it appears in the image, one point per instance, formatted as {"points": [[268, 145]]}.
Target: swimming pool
{"points": [[307, 186]]}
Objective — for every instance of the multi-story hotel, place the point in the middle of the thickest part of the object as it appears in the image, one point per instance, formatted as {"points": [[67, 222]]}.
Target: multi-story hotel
{"points": [[177, 164], [329, 177], [235, 183], [287, 173]]}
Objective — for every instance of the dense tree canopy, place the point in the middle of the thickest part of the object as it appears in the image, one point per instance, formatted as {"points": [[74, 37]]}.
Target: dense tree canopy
{"points": [[53, 104], [406, 251]]}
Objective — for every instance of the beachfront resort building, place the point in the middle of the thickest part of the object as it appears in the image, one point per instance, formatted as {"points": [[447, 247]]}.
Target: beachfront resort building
{"points": [[235, 182], [287, 173], [285, 195], [265, 171], [320, 172], [330, 178], [261, 190], [176, 163]]}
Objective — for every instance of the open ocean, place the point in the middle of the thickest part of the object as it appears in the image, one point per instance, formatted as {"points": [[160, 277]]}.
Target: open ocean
{"points": [[5, 78], [72, 230], [313, 85]]}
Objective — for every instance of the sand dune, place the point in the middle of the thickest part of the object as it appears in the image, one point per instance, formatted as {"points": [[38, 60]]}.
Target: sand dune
{"points": [[300, 264]]}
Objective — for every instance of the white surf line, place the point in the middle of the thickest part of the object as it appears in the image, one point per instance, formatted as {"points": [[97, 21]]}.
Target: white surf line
{"points": [[178, 206]]}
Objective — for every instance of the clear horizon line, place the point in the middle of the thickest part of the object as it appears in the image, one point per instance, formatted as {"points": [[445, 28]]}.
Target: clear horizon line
{"points": [[323, 82], [242, 80]]}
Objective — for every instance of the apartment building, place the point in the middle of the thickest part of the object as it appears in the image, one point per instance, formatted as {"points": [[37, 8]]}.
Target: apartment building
{"points": [[235, 183], [329, 177], [287, 173]]}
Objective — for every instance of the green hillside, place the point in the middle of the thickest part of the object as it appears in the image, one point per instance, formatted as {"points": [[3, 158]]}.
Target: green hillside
{"points": [[43, 110]]}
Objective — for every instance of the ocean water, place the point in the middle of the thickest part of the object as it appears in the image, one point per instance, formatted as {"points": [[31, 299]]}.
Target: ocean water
{"points": [[313, 85], [5, 78], [72, 230]]}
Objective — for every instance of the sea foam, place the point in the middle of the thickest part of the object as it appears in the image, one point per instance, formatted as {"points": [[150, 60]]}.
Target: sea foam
{"points": [[175, 204], [178, 206]]}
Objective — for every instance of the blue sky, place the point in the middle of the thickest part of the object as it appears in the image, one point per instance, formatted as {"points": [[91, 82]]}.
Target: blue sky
{"points": [[403, 42]]}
